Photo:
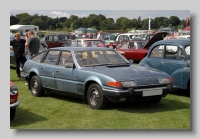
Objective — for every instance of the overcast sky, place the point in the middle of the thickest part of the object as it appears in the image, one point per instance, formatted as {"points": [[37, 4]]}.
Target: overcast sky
{"points": [[182, 14]]}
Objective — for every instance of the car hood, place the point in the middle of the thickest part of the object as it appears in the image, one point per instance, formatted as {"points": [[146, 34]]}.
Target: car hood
{"points": [[157, 37], [128, 72]]}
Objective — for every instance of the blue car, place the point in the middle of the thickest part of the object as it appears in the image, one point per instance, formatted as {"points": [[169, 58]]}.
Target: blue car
{"points": [[96, 75], [172, 57]]}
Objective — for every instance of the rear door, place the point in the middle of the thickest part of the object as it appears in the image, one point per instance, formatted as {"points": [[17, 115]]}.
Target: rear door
{"points": [[47, 69]]}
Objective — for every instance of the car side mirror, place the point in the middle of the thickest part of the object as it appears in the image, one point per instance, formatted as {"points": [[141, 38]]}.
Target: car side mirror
{"points": [[70, 65]]}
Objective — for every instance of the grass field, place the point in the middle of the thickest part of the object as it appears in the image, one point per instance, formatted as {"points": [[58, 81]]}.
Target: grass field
{"points": [[58, 112]]}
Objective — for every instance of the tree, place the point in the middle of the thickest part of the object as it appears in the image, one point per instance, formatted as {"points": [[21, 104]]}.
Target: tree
{"points": [[174, 20], [14, 20], [39, 22]]}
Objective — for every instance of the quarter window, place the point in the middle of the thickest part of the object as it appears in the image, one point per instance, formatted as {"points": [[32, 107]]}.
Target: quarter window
{"points": [[51, 57], [38, 57]]}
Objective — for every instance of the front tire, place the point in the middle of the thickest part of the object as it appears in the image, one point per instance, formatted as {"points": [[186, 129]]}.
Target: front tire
{"points": [[95, 98], [36, 87]]}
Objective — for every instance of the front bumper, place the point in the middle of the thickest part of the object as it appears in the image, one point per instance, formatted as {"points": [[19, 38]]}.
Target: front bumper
{"points": [[13, 105], [137, 92]]}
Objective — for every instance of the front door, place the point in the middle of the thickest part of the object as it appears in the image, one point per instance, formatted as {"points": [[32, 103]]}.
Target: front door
{"points": [[156, 57], [66, 78]]}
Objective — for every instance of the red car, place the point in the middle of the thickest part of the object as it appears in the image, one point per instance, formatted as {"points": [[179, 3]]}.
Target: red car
{"points": [[136, 50], [13, 100]]}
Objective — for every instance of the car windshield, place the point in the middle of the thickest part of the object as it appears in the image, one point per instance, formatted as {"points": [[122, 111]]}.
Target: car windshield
{"points": [[187, 50], [100, 58], [93, 43]]}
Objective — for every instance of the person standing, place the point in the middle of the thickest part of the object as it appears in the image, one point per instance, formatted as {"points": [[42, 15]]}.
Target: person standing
{"points": [[99, 36], [91, 35], [32, 43], [18, 46], [112, 46]]}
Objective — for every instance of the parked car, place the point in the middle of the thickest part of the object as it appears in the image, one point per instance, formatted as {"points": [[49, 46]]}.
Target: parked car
{"points": [[96, 75], [12, 59], [57, 40], [129, 36], [184, 37], [173, 57], [111, 38], [137, 50], [85, 43], [14, 103]]}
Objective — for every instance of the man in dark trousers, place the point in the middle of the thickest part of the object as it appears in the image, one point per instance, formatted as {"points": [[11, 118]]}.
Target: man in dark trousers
{"points": [[18, 46], [32, 43]]}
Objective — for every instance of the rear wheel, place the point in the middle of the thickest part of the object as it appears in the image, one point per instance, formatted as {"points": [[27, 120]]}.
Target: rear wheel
{"points": [[95, 98], [36, 87]]}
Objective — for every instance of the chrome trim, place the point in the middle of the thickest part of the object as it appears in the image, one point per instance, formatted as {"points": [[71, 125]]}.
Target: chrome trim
{"points": [[116, 91], [136, 90], [14, 104]]}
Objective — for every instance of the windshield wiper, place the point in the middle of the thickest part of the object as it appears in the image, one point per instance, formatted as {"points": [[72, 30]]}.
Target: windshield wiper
{"points": [[102, 64]]}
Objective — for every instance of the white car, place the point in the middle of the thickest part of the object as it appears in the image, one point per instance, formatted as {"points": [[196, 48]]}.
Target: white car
{"points": [[184, 37]]}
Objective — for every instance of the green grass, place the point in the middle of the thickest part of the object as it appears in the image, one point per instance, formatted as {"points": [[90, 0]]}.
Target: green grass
{"points": [[58, 112]]}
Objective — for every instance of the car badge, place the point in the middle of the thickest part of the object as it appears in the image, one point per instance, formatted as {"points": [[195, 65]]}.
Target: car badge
{"points": [[148, 81]]}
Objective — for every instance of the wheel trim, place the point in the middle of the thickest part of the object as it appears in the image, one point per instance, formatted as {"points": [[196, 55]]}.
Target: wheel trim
{"points": [[94, 97], [34, 87]]}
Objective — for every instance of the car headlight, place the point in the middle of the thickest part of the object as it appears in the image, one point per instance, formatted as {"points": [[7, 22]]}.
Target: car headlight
{"points": [[13, 90], [129, 84], [164, 80]]}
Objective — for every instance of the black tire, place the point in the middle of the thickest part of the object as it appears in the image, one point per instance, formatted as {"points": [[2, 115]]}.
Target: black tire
{"points": [[95, 98], [36, 87], [12, 113]]}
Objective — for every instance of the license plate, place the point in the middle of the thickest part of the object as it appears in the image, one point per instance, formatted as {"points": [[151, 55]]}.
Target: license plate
{"points": [[152, 93]]}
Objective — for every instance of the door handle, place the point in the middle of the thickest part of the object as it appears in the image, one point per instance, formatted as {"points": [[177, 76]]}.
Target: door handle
{"points": [[41, 67], [163, 62], [57, 70]]}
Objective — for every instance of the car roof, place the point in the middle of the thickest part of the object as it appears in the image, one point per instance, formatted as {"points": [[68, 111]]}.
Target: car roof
{"points": [[80, 48], [182, 42]]}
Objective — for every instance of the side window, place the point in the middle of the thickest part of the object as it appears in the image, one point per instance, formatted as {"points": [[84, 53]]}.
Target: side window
{"points": [[65, 57], [131, 46], [126, 38], [55, 38], [51, 57], [38, 57], [120, 38], [171, 52], [50, 38], [157, 51]]}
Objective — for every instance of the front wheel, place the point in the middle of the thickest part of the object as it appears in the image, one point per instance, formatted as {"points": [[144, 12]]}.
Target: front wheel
{"points": [[36, 87], [95, 98]]}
